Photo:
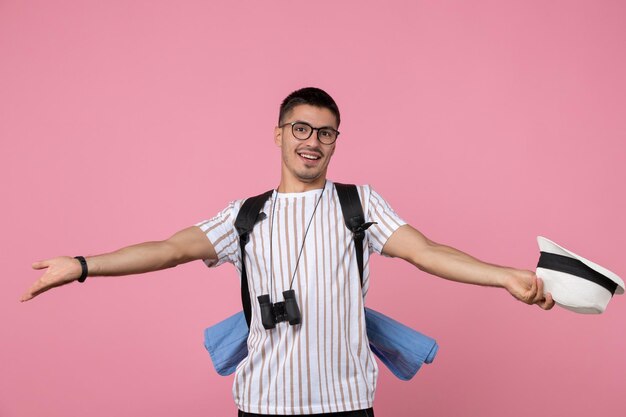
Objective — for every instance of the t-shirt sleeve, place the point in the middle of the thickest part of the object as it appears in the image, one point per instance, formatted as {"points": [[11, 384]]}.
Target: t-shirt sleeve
{"points": [[387, 221], [220, 230]]}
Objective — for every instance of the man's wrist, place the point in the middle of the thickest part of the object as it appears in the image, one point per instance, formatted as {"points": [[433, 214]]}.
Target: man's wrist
{"points": [[509, 277]]}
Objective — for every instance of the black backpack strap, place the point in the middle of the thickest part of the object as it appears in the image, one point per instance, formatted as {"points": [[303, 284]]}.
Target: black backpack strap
{"points": [[248, 215], [353, 217]]}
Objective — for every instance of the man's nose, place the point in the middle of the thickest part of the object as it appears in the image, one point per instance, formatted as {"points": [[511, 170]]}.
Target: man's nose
{"points": [[313, 139]]}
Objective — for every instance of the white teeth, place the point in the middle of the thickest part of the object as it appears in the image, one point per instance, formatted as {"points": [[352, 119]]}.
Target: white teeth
{"points": [[307, 156]]}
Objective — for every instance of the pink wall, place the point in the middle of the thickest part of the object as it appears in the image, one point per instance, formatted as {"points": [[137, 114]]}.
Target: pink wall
{"points": [[483, 123]]}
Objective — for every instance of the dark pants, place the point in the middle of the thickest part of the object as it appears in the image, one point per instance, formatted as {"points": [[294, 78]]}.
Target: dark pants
{"points": [[358, 413]]}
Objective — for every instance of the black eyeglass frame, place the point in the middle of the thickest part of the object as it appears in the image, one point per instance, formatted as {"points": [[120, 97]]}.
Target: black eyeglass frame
{"points": [[311, 132]]}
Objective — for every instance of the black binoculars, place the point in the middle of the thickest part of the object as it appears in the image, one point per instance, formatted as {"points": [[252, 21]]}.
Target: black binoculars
{"points": [[282, 311]]}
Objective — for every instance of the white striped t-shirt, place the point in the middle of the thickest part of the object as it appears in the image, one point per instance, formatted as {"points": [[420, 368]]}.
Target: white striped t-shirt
{"points": [[323, 365]]}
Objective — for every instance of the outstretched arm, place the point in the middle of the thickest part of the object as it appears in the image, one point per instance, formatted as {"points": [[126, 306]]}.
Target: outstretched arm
{"points": [[187, 245], [446, 262]]}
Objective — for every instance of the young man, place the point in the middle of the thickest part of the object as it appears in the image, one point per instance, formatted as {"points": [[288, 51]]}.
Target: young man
{"points": [[323, 364]]}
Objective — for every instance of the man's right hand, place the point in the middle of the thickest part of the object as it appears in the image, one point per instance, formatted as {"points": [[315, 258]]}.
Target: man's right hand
{"points": [[58, 271]]}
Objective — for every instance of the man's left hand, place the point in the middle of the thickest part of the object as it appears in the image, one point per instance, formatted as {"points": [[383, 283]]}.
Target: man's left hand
{"points": [[528, 288]]}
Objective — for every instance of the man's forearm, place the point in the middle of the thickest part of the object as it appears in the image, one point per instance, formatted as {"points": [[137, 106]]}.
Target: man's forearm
{"points": [[453, 264], [135, 259], [447, 262], [185, 246]]}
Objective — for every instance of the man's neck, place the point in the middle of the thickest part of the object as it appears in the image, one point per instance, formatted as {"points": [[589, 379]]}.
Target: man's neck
{"points": [[298, 186]]}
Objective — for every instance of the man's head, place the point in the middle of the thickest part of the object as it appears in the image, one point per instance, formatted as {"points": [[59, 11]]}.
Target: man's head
{"points": [[306, 134], [312, 96]]}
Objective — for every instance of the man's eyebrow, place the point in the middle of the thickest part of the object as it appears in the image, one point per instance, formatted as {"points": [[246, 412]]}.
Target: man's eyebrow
{"points": [[321, 127]]}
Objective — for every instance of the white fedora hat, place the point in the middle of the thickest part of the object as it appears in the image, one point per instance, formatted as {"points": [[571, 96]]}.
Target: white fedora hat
{"points": [[575, 283]]}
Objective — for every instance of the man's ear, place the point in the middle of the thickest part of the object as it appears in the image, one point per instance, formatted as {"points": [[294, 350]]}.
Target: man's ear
{"points": [[278, 136]]}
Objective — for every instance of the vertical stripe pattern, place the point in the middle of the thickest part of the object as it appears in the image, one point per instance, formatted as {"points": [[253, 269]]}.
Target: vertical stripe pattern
{"points": [[324, 364]]}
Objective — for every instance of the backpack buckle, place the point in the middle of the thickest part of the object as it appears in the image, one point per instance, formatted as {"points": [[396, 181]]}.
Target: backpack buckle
{"points": [[359, 231]]}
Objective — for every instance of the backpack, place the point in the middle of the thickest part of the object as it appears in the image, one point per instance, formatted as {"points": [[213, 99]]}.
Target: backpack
{"points": [[400, 348], [250, 213]]}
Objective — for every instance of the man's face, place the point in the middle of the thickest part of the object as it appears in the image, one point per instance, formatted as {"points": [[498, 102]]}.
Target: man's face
{"points": [[305, 161]]}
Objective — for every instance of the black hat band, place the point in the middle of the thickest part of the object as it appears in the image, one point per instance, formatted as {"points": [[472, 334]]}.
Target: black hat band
{"points": [[575, 267]]}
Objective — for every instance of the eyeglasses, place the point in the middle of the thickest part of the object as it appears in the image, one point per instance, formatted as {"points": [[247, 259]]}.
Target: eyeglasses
{"points": [[303, 131]]}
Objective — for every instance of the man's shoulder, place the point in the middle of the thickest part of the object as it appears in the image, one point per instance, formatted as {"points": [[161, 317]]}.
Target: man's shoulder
{"points": [[361, 188]]}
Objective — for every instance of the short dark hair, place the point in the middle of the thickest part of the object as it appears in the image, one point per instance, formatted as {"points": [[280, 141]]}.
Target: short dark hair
{"points": [[312, 96]]}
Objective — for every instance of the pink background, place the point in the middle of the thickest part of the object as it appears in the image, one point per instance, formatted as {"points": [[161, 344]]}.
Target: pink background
{"points": [[483, 123]]}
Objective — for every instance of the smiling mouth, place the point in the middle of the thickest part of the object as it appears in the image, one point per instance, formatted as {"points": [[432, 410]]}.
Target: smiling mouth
{"points": [[309, 156]]}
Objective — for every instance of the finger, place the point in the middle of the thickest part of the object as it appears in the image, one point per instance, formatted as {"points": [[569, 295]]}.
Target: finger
{"points": [[37, 289], [40, 264], [25, 297], [31, 293], [532, 292], [539, 296], [548, 303], [42, 284]]}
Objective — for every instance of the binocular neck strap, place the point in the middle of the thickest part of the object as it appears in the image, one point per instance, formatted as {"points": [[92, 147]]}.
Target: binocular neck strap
{"points": [[249, 214]]}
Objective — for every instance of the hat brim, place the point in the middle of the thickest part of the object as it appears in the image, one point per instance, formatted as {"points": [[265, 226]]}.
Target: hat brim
{"points": [[546, 245]]}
